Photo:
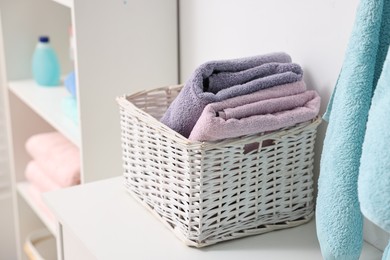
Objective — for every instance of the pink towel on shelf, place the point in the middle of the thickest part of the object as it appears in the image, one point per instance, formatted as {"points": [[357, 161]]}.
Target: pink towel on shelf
{"points": [[36, 176], [36, 195], [255, 113], [56, 156]]}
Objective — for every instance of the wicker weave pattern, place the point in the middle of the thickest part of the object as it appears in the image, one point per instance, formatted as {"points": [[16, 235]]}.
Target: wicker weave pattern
{"points": [[209, 192]]}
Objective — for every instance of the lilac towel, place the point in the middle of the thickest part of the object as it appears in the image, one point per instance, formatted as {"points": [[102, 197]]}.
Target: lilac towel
{"points": [[234, 104], [228, 119], [219, 80]]}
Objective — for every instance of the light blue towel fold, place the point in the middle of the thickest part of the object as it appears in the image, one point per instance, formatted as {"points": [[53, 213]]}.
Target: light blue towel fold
{"points": [[339, 220], [386, 253]]}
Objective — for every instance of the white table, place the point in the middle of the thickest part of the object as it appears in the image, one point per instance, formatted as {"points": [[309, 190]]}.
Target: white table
{"points": [[101, 220]]}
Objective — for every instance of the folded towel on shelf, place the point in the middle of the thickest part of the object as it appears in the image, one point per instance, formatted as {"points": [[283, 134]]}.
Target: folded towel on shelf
{"points": [[36, 176], [254, 116], [219, 80], [36, 196], [56, 156], [339, 220], [49, 140]]}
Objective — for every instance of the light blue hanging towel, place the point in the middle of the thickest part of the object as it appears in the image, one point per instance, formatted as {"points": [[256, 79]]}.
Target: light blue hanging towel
{"points": [[338, 216], [374, 176]]}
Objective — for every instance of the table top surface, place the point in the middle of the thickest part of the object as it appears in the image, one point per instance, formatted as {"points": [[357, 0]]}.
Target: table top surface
{"points": [[113, 225]]}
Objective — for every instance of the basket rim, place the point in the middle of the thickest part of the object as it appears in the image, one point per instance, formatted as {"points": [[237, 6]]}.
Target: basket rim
{"points": [[131, 109]]}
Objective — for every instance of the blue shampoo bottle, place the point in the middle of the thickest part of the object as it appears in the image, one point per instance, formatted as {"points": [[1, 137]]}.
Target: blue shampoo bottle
{"points": [[45, 65]]}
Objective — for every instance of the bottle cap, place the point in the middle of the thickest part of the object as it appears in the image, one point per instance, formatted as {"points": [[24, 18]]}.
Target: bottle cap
{"points": [[43, 38]]}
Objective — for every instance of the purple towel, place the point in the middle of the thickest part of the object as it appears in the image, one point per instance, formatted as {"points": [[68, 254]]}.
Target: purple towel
{"points": [[228, 119], [219, 80], [223, 80]]}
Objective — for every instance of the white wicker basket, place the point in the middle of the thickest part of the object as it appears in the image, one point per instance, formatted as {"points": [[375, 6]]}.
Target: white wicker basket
{"points": [[208, 192]]}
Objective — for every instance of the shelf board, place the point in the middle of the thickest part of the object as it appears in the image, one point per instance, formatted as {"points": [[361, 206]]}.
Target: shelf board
{"points": [[24, 190], [104, 207], [46, 102], [67, 3]]}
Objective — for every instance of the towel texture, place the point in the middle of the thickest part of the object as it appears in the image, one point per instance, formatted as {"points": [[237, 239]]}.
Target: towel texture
{"points": [[223, 80], [256, 112], [270, 106], [374, 177], [338, 217], [239, 102], [36, 176], [386, 253], [56, 156], [219, 80]]}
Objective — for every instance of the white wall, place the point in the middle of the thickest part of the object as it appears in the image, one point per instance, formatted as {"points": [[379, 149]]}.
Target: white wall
{"points": [[314, 33]]}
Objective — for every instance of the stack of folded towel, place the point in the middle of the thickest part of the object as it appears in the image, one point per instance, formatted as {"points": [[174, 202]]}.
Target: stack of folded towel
{"points": [[231, 98], [55, 163]]}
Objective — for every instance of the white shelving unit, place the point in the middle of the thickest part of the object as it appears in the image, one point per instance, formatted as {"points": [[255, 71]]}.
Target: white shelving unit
{"points": [[7, 234], [121, 47], [46, 102], [23, 190], [67, 3]]}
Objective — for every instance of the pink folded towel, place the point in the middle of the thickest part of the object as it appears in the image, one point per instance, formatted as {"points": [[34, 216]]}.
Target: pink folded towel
{"points": [[255, 113], [270, 93], [56, 156], [36, 176]]}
